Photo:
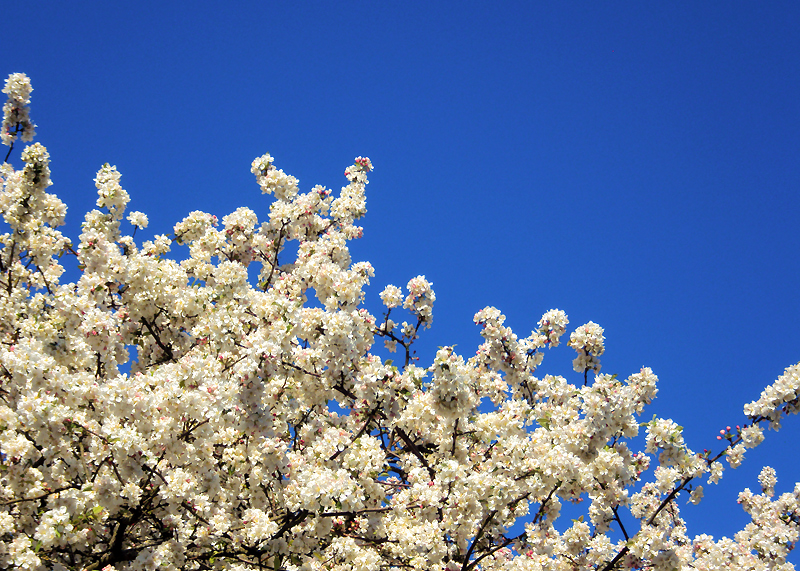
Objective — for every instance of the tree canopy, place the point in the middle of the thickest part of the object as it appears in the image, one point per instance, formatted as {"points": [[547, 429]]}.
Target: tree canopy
{"points": [[229, 410]]}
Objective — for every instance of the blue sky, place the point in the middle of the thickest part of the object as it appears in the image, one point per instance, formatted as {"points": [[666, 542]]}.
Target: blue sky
{"points": [[634, 164]]}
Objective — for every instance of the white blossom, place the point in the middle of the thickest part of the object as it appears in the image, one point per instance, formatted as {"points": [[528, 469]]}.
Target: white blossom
{"points": [[767, 480], [138, 219], [16, 113], [553, 325], [392, 296], [587, 340]]}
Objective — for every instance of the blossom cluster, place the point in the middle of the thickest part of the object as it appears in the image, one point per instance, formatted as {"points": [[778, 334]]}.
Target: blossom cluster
{"points": [[553, 325], [588, 341], [230, 410], [16, 113]]}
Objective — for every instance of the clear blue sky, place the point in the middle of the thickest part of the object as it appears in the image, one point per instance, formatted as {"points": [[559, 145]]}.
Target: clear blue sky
{"points": [[636, 164]]}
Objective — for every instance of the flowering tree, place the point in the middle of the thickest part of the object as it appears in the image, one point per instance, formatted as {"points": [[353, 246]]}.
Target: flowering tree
{"points": [[173, 415]]}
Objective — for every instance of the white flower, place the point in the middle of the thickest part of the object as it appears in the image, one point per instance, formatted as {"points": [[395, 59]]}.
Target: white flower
{"points": [[779, 397], [587, 340], [752, 436], [767, 479], [735, 455], [391, 296], [16, 114], [420, 299], [110, 194], [553, 325], [716, 472], [138, 219], [272, 180]]}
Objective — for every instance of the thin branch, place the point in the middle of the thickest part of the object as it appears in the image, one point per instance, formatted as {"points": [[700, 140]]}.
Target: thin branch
{"points": [[478, 536], [370, 418], [414, 450], [164, 348]]}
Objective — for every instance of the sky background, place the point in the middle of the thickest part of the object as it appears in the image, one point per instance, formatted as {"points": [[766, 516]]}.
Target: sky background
{"points": [[635, 164]]}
